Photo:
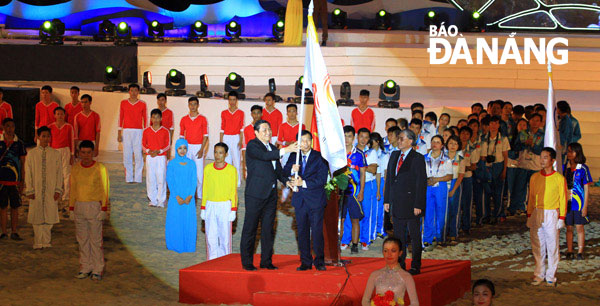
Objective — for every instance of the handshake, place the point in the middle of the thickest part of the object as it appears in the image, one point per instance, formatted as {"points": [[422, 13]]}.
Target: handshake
{"points": [[294, 182]]}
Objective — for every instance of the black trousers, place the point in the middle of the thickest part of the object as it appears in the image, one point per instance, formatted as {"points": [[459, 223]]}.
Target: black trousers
{"points": [[262, 210], [320, 13], [309, 221], [413, 226]]}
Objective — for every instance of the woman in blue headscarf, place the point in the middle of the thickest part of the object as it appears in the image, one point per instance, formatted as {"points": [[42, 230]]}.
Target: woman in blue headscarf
{"points": [[181, 225]]}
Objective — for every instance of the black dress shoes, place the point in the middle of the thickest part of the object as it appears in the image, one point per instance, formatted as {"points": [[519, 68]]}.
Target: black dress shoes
{"points": [[304, 268], [268, 267], [249, 268], [414, 271], [321, 268]]}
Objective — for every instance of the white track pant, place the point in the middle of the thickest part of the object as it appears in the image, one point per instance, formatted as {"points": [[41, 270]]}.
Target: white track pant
{"points": [[191, 154], [544, 242], [218, 229], [65, 154], [156, 184], [233, 156], [88, 230], [42, 235], [132, 145]]}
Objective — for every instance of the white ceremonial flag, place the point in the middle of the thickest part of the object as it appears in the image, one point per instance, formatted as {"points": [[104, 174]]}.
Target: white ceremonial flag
{"points": [[329, 130], [551, 136]]}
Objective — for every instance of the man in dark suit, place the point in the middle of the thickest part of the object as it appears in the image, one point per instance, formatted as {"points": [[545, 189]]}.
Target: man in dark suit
{"points": [[405, 195], [264, 169], [309, 201]]}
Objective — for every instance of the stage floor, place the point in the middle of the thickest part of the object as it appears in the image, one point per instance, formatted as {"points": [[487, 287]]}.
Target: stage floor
{"points": [[223, 280]]}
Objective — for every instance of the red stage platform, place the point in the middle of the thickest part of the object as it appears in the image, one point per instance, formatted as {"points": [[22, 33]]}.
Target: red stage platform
{"points": [[224, 281]]}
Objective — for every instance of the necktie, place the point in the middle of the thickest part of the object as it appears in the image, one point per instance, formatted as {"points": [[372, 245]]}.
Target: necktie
{"points": [[303, 163], [400, 161]]}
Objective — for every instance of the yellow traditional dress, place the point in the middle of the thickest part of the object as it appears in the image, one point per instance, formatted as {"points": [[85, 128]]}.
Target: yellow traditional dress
{"points": [[293, 23]]}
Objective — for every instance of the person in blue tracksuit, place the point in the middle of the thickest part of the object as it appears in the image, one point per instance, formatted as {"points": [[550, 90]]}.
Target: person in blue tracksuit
{"points": [[377, 144], [495, 155], [455, 158], [369, 202], [352, 211], [439, 172], [471, 157], [515, 175]]}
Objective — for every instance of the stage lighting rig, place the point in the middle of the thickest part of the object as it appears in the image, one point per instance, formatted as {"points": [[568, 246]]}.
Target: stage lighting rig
{"points": [[308, 95], [52, 32], [235, 82], [175, 83], [431, 18], [198, 32], [156, 31], [339, 19], [203, 92], [147, 84], [345, 95], [233, 31], [112, 79], [389, 93], [273, 90], [476, 22], [278, 30], [106, 31], [123, 37], [383, 21]]}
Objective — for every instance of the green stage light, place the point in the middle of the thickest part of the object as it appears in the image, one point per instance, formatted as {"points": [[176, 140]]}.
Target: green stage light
{"points": [[431, 14], [382, 13], [109, 69], [337, 11], [47, 25], [232, 76], [301, 80], [173, 73], [122, 25], [233, 24], [280, 24], [154, 24], [476, 15], [390, 84], [198, 24]]}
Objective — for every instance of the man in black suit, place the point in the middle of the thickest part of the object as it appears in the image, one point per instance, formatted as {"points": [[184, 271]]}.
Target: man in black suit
{"points": [[405, 192], [309, 201], [264, 169]]}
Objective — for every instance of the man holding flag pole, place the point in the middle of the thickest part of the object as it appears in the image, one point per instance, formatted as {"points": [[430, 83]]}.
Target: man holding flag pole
{"points": [[327, 137], [546, 207]]}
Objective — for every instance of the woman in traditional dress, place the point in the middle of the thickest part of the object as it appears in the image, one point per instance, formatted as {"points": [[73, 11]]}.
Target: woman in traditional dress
{"points": [[181, 225], [391, 278], [292, 35]]}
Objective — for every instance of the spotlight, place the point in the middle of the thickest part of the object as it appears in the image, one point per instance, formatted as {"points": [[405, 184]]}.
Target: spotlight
{"points": [[123, 37], [273, 90], [345, 95], [106, 31], [52, 32], [308, 95], [112, 79], [147, 84], [339, 19], [233, 30], [383, 21], [278, 30], [431, 18], [476, 22], [203, 92], [389, 93], [156, 31], [235, 82], [175, 83], [198, 32]]}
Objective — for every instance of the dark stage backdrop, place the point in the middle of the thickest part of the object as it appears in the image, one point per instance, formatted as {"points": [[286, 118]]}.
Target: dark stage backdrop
{"points": [[23, 102], [69, 63]]}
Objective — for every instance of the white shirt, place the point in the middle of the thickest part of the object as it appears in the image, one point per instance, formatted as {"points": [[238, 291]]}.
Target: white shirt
{"points": [[437, 167], [372, 158]]}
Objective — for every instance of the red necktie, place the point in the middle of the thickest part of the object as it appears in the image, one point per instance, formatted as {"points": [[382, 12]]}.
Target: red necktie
{"points": [[400, 161]]}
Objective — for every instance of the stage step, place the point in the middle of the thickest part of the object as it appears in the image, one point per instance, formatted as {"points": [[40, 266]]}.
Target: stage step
{"points": [[298, 299]]}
